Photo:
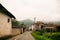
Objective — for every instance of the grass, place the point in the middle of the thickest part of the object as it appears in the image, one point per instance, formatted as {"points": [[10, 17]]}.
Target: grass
{"points": [[39, 37]]}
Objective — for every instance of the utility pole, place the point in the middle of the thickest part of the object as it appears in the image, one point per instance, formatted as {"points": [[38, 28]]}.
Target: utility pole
{"points": [[34, 19], [34, 23]]}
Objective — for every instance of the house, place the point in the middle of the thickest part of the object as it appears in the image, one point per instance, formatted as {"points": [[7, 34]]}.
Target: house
{"points": [[5, 21], [32, 27], [49, 27], [39, 25]]}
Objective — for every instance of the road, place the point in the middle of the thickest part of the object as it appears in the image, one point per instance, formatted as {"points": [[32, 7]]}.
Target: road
{"points": [[25, 36]]}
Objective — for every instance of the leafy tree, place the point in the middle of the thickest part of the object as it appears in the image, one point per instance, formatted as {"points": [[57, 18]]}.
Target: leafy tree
{"points": [[15, 23], [58, 28]]}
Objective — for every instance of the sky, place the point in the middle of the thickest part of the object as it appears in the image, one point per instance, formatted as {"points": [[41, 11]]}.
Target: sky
{"points": [[43, 10]]}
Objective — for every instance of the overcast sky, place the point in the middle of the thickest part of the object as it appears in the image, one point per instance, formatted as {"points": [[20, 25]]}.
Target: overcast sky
{"points": [[43, 10]]}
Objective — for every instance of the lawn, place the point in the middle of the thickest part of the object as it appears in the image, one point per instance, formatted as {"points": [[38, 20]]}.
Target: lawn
{"points": [[46, 35]]}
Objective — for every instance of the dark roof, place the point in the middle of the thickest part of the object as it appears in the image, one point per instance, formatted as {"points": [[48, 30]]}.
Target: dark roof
{"points": [[3, 9], [17, 27]]}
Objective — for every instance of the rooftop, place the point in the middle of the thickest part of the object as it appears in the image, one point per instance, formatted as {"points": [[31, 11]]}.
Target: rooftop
{"points": [[3, 9]]}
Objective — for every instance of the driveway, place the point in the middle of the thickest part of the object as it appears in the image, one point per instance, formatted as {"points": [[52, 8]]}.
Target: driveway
{"points": [[25, 36]]}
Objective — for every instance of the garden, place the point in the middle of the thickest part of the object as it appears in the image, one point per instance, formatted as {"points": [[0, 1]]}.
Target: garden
{"points": [[43, 35]]}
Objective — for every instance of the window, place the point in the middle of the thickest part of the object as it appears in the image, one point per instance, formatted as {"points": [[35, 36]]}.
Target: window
{"points": [[8, 20]]}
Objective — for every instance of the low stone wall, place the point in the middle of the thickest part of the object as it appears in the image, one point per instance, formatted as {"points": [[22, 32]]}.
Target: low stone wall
{"points": [[16, 31]]}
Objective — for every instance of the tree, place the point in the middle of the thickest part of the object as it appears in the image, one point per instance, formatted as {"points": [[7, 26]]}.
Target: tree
{"points": [[58, 28], [15, 23]]}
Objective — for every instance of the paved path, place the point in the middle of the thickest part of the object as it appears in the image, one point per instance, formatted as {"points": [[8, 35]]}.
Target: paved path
{"points": [[24, 36]]}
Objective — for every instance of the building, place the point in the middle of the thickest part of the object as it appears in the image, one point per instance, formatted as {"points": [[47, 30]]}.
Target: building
{"points": [[32, 27], [50, 27], [5, 21], [39, 25]]}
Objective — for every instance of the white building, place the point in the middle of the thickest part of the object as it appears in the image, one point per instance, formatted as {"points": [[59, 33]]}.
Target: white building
{"points": [[5, 21]]}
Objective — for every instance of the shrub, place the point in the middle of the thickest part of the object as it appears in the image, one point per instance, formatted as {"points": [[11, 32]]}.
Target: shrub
{"points": [[40, 32], [55, 36], [39, 37], [58, 28]]}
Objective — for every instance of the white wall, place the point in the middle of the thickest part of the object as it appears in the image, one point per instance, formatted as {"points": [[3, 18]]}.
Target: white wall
{"points": [[5, 27]]}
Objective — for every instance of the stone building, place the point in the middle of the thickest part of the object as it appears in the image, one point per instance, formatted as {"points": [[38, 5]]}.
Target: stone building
{"points": [[5, 21]]}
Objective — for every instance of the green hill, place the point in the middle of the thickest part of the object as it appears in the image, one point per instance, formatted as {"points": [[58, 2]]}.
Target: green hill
{"points": [[27, 22], [57, 22]]}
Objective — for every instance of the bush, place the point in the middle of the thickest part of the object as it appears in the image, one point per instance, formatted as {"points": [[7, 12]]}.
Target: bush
{"points": [[55, 37], [36, 36], [39, 37], [40, 32], [58, 28]]}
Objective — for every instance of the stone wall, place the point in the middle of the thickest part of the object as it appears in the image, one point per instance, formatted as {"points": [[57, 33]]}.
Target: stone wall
{"points": [[16, 31]]}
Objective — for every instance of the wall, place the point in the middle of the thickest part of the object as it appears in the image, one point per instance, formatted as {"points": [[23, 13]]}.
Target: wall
{"points": [[5, 27], [16, 31]]}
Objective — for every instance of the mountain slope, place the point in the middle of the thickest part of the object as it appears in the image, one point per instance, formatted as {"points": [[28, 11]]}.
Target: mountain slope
{"points": [[27, 22]]}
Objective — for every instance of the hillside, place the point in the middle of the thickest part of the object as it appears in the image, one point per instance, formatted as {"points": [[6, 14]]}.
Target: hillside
{"points": [[27, 22]]}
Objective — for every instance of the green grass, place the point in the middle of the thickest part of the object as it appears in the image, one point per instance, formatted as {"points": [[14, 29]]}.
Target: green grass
{"points": [[39, 37]]}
